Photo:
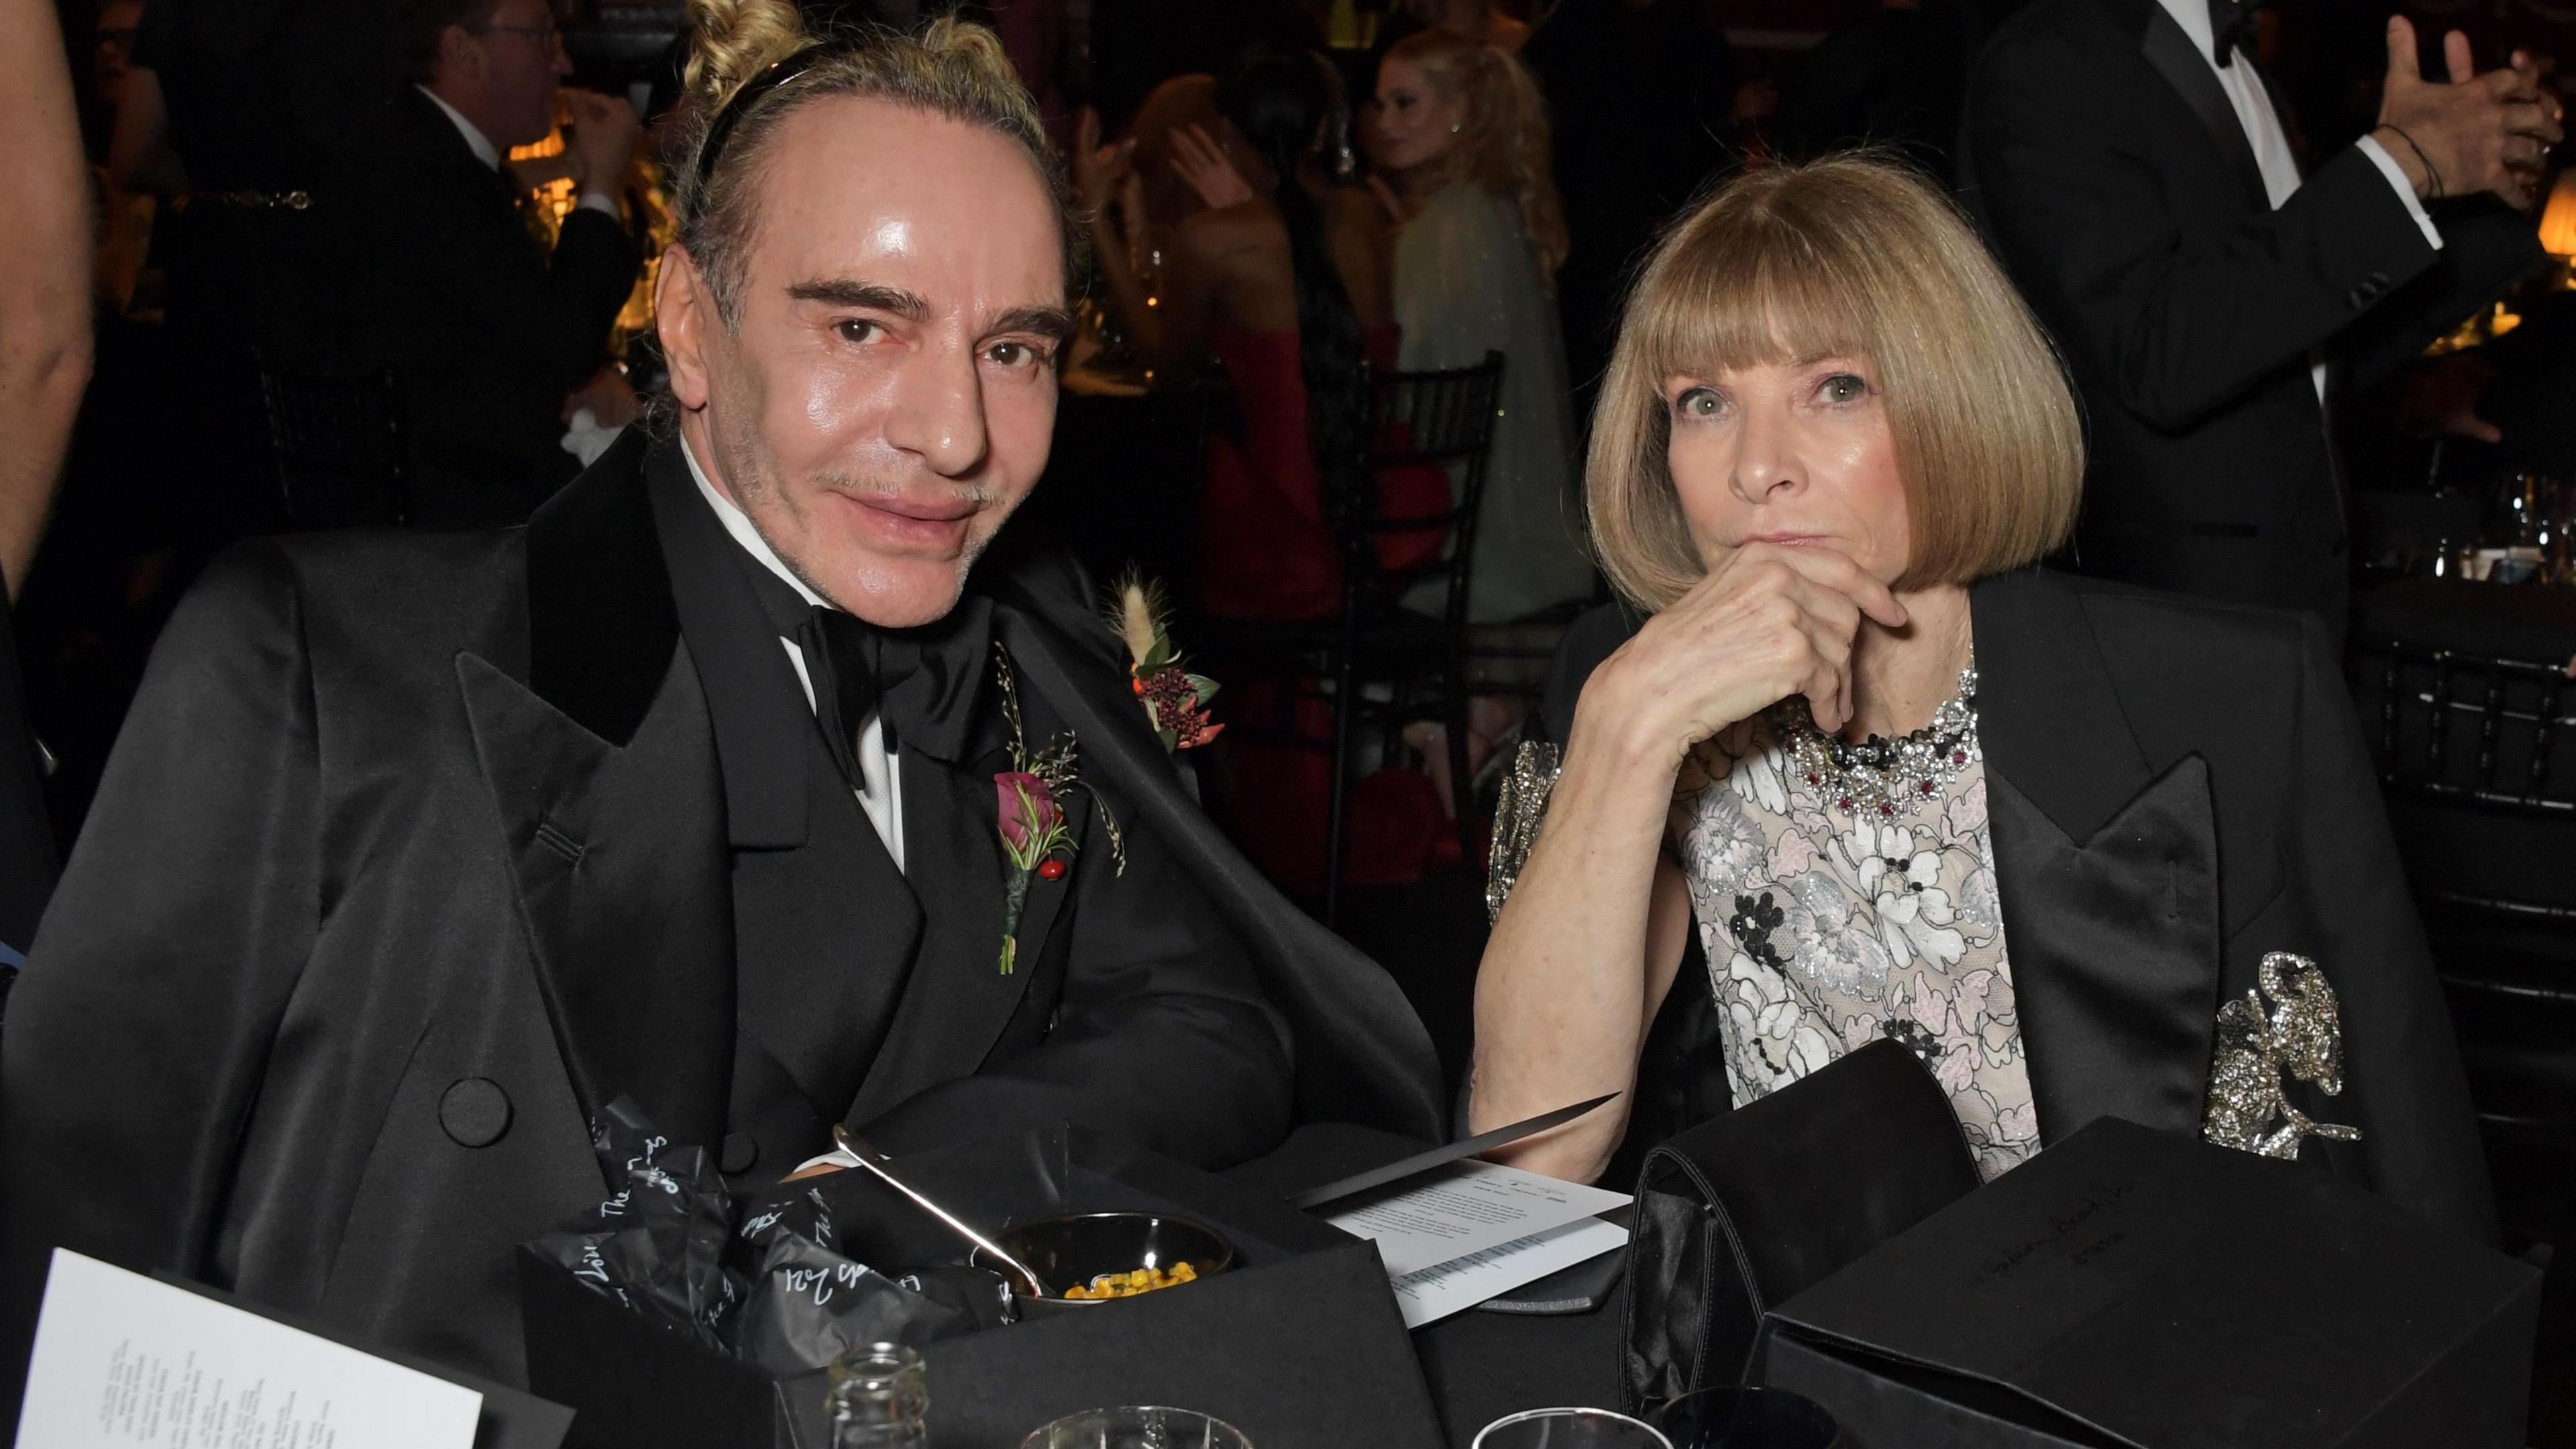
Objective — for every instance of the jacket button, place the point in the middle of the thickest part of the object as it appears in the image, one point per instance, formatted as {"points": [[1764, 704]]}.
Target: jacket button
{"points": [[475, 1112], [740, 1152]]}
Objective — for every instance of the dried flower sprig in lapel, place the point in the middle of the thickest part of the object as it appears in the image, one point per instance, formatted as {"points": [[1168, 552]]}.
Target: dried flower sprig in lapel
{"points": [[1176, 701], [1028, 799]]}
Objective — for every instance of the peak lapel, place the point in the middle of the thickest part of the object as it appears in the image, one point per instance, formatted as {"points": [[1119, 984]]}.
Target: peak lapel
{"points": [[602, 770], [2107, 874]]}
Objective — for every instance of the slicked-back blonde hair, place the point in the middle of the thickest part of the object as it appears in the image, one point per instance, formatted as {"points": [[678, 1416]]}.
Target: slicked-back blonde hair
{"points": [[1502, 141], [1855, 256], [953, 69]]}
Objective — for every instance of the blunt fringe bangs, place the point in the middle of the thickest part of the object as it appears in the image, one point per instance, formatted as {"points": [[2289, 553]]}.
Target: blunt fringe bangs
{"points": [[1855, 256]]}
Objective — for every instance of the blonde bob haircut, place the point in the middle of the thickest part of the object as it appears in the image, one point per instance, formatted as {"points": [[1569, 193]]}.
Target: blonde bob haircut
{"points": [[1850, 256]]}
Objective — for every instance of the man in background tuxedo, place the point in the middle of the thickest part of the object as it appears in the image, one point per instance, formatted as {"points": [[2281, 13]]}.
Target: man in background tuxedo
{"points": [[2138, 180], [418, 851], [486, 332]]}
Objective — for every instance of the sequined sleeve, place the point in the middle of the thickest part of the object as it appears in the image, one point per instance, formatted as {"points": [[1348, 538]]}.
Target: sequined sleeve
{"points": [[1518, 809]]}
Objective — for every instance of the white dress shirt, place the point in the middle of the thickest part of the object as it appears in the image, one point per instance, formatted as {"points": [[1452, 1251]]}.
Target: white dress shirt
{"points": [[2271, 144], [490, 155], [880, 789]]}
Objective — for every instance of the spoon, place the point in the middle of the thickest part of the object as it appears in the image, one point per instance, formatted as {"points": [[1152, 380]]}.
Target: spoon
{"points": [[877, 1162]]}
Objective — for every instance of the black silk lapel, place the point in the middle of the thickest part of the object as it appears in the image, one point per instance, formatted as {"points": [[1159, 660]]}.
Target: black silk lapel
{"points": [[761, 718], [620, 861], [2047, 715], [958, 1001], [2114, 943], [601, 624], [2182, 65]]}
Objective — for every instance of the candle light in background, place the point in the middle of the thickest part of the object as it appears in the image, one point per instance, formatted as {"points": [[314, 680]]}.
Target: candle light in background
{"points": [[2558, 220]]}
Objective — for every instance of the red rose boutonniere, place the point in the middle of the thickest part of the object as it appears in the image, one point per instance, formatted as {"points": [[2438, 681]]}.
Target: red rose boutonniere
{"points": [[1029, 804], [1176, 701]]}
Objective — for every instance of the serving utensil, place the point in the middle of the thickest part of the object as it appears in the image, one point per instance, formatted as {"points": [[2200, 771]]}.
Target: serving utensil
{"points": [[878, 1163]]}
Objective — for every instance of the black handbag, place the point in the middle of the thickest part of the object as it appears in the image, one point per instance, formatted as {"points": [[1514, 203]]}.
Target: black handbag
{"points": [[1743, 1211]]}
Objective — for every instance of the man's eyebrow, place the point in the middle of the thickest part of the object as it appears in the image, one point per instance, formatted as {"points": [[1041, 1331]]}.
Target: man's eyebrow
{"points": [[846, 292], [1053, 323]]}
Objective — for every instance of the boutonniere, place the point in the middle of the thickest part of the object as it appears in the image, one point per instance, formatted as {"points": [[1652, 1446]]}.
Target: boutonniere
{"points": [[1029, 801], [1176, 701]]}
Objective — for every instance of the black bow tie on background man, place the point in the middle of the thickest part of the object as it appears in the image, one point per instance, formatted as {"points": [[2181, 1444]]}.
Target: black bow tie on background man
{"points": [[2232, 26]]}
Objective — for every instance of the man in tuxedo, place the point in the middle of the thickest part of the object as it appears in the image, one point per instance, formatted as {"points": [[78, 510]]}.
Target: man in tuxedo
{"points": [[2137, 178], [420, 850], [485, 330]]}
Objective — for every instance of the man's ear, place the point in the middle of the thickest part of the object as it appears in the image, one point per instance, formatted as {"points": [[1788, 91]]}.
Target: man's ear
{"points": [[684, 314], [460, 55]]}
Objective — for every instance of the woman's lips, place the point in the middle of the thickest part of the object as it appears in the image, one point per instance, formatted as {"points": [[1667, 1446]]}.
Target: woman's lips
{"points": [[1783, 540]]}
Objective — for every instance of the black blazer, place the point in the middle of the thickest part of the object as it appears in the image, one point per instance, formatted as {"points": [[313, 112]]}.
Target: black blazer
{"points": [[2176, 788], [2104, 162], [414, 854], [486, 332]]}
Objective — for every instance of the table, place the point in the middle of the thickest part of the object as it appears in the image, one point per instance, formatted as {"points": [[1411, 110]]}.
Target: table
{"points": [[2514, 621], [1479, 1366]]}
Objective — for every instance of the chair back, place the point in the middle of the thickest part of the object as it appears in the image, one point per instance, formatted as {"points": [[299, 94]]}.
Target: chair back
{"points": [[2477, 759], [337, 442], [1442, 419]]}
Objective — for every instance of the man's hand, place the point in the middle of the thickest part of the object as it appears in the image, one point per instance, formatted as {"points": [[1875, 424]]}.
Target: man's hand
{"points": [[612, 402], [2486, 132], [604, 133]]}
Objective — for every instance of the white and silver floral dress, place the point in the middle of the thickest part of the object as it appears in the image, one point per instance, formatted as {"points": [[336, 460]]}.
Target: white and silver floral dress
{"points": [[1830, 920]]}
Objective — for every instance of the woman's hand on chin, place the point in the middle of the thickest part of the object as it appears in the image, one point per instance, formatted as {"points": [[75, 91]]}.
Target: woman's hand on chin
{"points": [[1768, 622]]}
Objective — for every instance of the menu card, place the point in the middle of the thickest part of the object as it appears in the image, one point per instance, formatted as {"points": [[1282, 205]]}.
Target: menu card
{"points": [[1467, 1232], [122, 1360]]}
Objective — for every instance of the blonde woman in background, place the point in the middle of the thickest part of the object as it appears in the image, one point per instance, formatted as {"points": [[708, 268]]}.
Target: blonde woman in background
{"points": [[1462, 134]]}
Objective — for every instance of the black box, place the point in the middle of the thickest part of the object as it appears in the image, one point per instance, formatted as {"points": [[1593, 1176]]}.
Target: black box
{"points": [[1300, 1346], [2132, 1287]]}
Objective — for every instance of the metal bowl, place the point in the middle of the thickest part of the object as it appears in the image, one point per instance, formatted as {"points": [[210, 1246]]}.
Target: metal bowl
{"points": [[1070, 1251]]}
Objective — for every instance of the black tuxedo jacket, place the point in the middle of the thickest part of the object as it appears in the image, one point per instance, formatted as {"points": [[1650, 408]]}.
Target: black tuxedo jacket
{"points": [[415, 853], [2175, 788], [485, 331], [2107, 167]]}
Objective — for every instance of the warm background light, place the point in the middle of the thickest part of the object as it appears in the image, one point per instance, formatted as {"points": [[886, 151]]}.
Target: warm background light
{"points": [[2558, 223]]}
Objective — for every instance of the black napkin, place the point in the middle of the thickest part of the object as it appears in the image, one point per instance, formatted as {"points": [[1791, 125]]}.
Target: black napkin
{"points": [[766, 1281]]}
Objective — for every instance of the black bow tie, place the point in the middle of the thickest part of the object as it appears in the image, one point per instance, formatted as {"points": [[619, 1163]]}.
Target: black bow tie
{"points": [[920, 683], [2232, 28]]}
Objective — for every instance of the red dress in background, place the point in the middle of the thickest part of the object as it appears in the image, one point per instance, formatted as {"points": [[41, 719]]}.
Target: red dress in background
{"points": [[1265, 549], [1267, 552]]}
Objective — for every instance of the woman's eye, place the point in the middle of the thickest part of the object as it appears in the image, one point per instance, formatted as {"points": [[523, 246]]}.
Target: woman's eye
{"points": [[1842, 387], [858, 331], [1698, 402]]}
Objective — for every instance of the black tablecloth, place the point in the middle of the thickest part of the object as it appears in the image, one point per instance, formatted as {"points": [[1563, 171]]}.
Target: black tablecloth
{"points": [[1480, 1366]]}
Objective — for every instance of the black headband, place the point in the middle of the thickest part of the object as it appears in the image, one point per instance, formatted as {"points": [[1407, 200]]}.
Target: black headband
{"points": [[784, 71]]}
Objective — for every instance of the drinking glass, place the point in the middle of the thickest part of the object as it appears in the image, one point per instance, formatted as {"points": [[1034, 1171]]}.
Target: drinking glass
{"points": [[1137, 1428], [879, 1399], [1570, 1429], [1748, 1419]]}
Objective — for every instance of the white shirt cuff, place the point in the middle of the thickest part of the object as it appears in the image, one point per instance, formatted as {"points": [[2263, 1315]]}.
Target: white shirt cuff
{"points": [[2389, 168], [607, 206]]}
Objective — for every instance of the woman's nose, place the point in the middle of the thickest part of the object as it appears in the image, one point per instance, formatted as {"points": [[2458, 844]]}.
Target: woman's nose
{"points": [[1769, 465]]}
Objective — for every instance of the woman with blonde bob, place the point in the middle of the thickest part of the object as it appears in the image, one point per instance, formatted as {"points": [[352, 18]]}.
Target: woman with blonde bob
{"points": [[1894, 780]]}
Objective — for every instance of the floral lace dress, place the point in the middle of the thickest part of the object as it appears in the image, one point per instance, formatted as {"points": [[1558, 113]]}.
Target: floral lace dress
{"points": [[1827, 926]]}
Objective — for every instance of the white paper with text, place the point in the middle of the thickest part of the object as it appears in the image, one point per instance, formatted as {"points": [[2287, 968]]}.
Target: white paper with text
{"points": [[123, 1360], [1462, 1283], [1467, 1207]]}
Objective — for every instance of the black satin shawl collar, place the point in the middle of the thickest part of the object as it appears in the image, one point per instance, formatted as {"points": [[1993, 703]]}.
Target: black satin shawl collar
{"points": [[2107, 873]]}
